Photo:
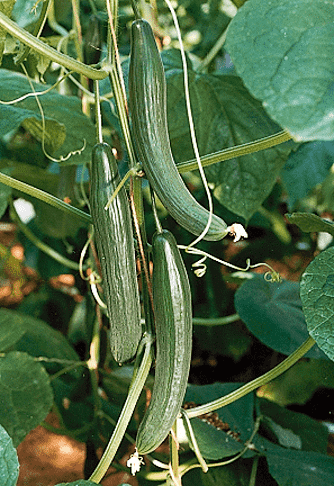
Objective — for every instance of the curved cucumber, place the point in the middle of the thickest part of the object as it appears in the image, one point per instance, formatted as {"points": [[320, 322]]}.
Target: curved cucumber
{"points": [[147, 99], [173, 316], [114, 238]]}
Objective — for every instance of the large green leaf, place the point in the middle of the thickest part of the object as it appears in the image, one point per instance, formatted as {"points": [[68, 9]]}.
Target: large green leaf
{"points": [[299, 468], [310, 223], [67, 128], [273, 313], [214, 443], [36, 337], [10, 331], [283, 50], [9, 464], [225, 115], [317, 292], [306, 168], [292, 430], [25, 394]]}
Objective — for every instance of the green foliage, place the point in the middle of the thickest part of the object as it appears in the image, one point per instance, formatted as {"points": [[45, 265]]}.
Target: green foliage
{"points": [[9, 464], [290, 429], [214, 443], [316, 292], [25, 393], [66, 128], [275, 47], [299, 468], [226, 115], [273, 313], [309, 222], [305, 168], [274, 72]]}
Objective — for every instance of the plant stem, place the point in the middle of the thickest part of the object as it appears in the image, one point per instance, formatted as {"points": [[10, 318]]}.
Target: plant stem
{"points": [[126, 413], [47, 51], [175, 455], [252, 385], [238, 151], [44, 196], [217, 321]]}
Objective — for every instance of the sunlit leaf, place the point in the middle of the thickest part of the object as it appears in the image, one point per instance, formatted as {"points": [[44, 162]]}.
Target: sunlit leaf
{"points": [[25, 394], [317, 292], [9, 464], [283, 49]]}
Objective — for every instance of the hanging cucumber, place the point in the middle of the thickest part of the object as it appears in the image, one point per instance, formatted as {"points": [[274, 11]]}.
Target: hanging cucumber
{"points": [[114, 238], [173, 316], [147, 99]]}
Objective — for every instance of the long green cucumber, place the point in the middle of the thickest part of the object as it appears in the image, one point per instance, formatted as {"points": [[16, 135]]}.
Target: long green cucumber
{"points": [[147, 100], [114, 238], [173, 316]]}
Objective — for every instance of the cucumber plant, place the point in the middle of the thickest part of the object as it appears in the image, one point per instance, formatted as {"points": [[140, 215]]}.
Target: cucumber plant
{"points": [[267, 45], [173, 320], [115, 242], [147, 98]]}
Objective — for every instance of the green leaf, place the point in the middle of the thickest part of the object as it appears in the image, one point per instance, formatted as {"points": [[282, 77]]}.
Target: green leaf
{"points": [[213, 443], [299, 468], [299, 383], [25, 394], [6, 7], [26, 12], [9, 464], [235, 474], [306, 168], [291, 429], [317, 292], [66, 125], [273, 313], [37, 338], [225, 115], [310, 223], [283, 49], [10, 331]]}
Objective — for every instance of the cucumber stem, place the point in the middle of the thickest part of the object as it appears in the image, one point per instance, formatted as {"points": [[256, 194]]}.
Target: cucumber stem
{"points": [[69, 62], [98, 116], [252, 385], [44, 196], [237, 151], [155, 213], [126, 413]]}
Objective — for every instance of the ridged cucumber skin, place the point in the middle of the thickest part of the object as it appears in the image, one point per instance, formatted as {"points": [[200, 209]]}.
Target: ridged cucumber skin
{"points": [[173, 317], [148, 107], [114, 238]]}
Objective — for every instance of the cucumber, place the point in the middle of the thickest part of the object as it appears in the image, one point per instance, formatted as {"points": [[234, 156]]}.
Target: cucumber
{"points": [[147, 101], [173, 316], [115, 246]]}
